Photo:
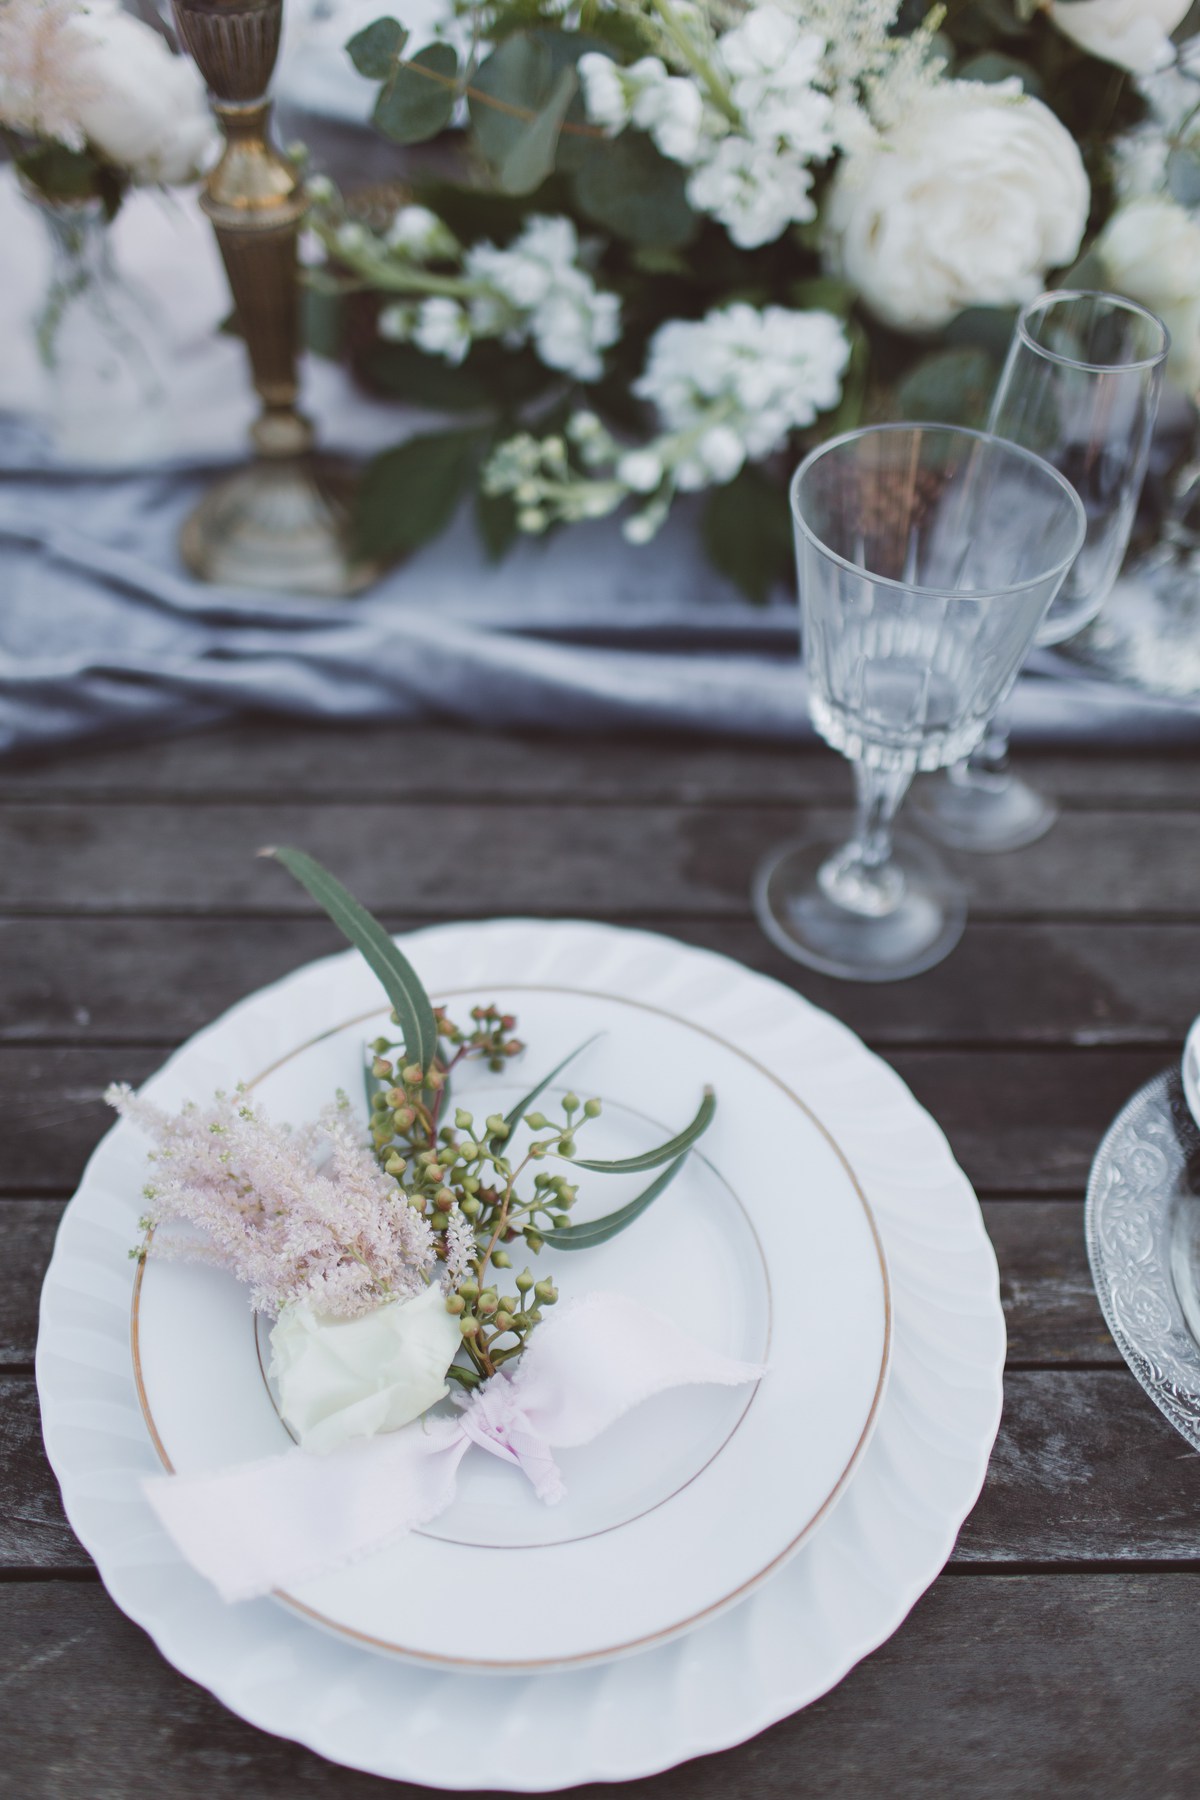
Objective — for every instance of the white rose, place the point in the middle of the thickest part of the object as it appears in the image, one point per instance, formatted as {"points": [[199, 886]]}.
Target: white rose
{"points": [[349, 1378], [141, 107], [1150, 250], [1134, 34], [968, 202]]}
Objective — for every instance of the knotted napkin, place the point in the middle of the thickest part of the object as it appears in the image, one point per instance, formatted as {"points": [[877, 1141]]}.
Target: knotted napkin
{"points": [[268, 1524]]}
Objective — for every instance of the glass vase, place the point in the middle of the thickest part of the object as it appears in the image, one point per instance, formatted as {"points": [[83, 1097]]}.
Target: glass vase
{"points": [[105, 401]]}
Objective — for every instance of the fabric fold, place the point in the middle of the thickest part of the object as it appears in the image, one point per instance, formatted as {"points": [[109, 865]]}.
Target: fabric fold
{"points": [[269, 1524]]}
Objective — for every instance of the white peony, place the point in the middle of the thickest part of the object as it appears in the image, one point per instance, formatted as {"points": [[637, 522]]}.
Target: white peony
{"points": [[968, 202], [350, 1378], [1133, 34], [92, 74], [1150, 250]]}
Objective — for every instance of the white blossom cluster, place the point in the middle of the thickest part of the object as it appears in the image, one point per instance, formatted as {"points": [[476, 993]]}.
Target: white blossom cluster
{"points": [[748, 122], [535, 292], [727, 389], [1172, 98]]}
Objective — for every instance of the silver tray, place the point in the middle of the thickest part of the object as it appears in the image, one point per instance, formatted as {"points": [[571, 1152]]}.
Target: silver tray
{"points": [[1143, 1236]]}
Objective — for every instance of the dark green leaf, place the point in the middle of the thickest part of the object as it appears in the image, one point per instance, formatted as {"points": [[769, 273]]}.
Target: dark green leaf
{"points": [[994, 66], [519, 100], [513, 1119], [62, 174], [650, 1159], [416, 101], [623, 184], [496, 518], [375, 50], [590, 1232], [747, 534], [531, 159], [410, 494], [847, 414], [401, 983], [421, 380], [953, 387], [823, 292], [322, 321]]}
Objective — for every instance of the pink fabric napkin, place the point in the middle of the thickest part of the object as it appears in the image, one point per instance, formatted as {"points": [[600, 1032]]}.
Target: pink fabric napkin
{"points": [[265, 1525]]}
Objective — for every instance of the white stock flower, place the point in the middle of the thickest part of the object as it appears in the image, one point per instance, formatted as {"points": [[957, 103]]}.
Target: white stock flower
{"points": [[754, 189], [1133, 34], [418, 232], [669, 107], [773, 62], [741, 380], [640, 470], [553, 300], [97, 75], [350, 1378], [1150, 250], [442, 328], [968, 202]]}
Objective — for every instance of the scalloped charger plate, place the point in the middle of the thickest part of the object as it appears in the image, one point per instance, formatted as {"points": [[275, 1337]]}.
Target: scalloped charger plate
{"points": [[771, 1250]]}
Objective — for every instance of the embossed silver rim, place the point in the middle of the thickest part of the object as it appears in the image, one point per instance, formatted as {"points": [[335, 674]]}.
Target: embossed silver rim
{"points": [[1128, 1219]]}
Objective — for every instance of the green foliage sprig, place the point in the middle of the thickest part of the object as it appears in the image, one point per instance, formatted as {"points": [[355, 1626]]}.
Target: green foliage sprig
{"points": [[479, 1190]]}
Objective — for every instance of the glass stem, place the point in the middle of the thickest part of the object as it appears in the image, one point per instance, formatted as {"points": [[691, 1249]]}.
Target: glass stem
{"points": [[987, 766], [862, 876]]}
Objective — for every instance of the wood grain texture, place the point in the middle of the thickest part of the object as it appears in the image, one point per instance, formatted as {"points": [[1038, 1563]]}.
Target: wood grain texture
{"points": [[1050, 1307], [1080, 1453], [1019, 1121], [157, 980], [994, 1688], [276, 760], [486, 858]]}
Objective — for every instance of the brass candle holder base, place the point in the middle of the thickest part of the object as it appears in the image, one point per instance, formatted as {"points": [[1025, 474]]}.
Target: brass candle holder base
{"points": [[282, 525]]}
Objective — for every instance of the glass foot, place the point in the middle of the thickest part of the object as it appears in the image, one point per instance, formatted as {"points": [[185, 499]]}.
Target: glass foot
{"points": [[798, 914], [981, 812]]}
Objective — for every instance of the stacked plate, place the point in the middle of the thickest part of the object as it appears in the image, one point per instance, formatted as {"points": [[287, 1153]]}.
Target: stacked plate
{"points": [[722, 1557]]}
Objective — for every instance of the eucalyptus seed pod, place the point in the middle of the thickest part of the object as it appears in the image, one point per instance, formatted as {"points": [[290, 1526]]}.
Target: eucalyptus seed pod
{"points": [[456, 1305], [592, 1109], [546, 1291], [502, 1321], [501, 1259], [525, 1281]]}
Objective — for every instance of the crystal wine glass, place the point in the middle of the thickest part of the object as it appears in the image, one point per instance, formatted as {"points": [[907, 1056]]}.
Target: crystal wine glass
{"points": [[927, 557], [1081, 388]]}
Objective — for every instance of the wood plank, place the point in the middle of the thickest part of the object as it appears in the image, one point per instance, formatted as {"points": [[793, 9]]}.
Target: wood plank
{"points": [[1021, 1122], [276, 760], [477, 860], [993, 1688], [1049, 1304], [155, 981], [1085, 1470], [27, 1229]]}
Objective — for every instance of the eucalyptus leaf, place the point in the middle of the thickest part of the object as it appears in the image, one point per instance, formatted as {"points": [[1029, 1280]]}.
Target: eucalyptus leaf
{"points": [[953, 387], [417, 99], [513, 1119], [747, 534], [376, 49], [400, 981], [994, 65], [410, 493], [519, 98], [1183, 174], [650, 1159], [624, 184], [590, 1232]]}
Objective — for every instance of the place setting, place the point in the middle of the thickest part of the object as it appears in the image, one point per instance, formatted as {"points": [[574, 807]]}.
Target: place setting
{"points": [[520, 1338]]}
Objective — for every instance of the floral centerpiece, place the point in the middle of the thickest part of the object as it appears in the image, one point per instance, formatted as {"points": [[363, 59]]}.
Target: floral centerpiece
{"points": [[381, 1245], [670, 243]]}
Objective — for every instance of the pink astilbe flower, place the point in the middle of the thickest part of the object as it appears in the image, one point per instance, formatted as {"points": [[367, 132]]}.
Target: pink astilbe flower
{"points": [[296, 1215]]}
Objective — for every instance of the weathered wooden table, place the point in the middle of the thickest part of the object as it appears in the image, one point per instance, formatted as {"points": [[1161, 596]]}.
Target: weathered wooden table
{"points": [[1060, 1652]]}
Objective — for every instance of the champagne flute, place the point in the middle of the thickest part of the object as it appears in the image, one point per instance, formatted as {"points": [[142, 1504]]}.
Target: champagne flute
{"points": [[927, 557], [1080, 387]]}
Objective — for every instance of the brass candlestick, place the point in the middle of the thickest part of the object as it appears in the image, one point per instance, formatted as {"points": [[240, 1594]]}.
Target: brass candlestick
{"points": [[283, 522]]}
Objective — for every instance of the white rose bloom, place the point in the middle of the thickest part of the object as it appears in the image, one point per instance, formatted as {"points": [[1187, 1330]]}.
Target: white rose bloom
{"points": [[1151, 251], [350, 1378], [968, 202], [1133, 34]]}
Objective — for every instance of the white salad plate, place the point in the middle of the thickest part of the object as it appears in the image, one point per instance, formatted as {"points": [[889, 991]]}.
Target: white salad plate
{"points": [[841, 1482]]}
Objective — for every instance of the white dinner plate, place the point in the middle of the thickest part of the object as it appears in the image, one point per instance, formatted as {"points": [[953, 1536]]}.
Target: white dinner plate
{"points": [[763, 1247], [798, 1632]]}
